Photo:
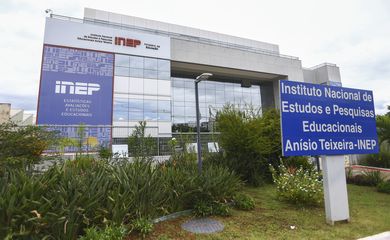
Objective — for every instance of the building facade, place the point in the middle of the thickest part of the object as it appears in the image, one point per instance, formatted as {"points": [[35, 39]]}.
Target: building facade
{"points": [[110, 71]]}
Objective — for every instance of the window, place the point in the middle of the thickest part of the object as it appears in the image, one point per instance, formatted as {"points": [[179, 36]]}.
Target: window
{"points": [[137, 72], [122, 60], [122, 71], [164, 106], [150, 63], [136, 62], [136, 105], [150, 86], [164, 65], [121, 84], [150, 74]]}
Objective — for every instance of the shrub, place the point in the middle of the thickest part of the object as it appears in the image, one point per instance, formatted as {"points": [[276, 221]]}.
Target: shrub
{"points": [[367, 178], [298, 162], [382, 159], [204, 208], [21, 147], [143, 226], [373, 177], [298, 187], [251, 142], [244, 202], [108, 233], [384, 187]]}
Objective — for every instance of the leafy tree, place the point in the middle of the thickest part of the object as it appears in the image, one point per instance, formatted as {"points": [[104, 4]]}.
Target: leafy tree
{"points": [[383, 129], [140, 145], [23, 146], [251, 141]]}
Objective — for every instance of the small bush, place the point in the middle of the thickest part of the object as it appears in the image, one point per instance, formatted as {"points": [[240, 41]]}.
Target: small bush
{"points": [[203, 208], [384, 187], [367, 178], [143, 226], [206, 208], [373, 177], [298, 162], [108, 233], [382, 159], [298, 187], [244, 202]]}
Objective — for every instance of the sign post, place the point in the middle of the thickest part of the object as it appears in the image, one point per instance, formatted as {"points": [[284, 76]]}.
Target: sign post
{"points": [[328, 121]]}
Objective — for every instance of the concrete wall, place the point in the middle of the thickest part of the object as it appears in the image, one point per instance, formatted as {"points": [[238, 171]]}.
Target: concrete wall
{"points": [[119, 19], [325, 73], [5, 109]]}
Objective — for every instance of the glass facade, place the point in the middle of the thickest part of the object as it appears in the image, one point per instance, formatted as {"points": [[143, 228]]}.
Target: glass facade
{"points": [[142, 89], [213, 95]]}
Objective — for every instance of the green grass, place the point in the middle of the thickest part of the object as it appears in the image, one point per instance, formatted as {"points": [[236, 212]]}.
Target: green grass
{"points": [[271, 219]]}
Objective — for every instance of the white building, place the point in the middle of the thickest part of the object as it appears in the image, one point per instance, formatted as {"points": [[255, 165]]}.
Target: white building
{"points": [[154, 68]]}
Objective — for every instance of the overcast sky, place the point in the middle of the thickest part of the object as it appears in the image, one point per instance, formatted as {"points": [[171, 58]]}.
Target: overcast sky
{"points": [[353, 34]]}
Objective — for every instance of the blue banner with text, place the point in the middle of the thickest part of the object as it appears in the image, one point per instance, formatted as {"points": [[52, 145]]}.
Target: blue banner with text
{"points": [[326, 120], [76, 87]]}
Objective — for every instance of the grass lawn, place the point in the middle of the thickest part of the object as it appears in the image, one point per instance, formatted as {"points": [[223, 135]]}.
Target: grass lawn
{"points": [[370, 214]]}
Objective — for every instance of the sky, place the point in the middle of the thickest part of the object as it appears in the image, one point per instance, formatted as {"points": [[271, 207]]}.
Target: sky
{"points": [[354, 34]]}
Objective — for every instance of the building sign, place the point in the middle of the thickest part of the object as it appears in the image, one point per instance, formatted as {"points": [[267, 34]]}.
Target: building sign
{"points": [[76, 87], [326, 120], [91, 36]]}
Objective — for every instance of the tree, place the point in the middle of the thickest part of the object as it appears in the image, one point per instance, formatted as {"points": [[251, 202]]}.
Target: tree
{"points": [[251, 141], [22, 146], [383, 130], [141, 146]]}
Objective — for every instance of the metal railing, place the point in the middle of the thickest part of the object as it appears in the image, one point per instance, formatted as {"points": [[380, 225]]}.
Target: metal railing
{"points": [[175, 35]]}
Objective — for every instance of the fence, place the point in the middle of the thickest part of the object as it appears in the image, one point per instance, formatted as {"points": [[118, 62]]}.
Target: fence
{"points": [[90, 139]]}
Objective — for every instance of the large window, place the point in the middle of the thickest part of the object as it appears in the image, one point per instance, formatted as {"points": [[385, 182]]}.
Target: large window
{"points": [[142, 88], [213, 95]]}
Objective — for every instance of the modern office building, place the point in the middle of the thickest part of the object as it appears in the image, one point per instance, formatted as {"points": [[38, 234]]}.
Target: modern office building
{"points": [[110, 71]]}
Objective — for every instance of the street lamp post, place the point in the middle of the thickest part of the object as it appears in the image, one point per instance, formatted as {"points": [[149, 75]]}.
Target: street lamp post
{"points": [[203, 76]]}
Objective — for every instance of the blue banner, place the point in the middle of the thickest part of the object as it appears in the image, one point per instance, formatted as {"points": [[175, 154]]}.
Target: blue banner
{"points": [[76, 87], [326, 120]]}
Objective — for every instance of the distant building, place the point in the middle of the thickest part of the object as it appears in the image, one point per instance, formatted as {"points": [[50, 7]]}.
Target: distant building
{"points": [[17, 116], [5, 109]]}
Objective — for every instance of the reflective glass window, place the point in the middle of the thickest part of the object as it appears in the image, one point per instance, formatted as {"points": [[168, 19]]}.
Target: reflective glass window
{"points": [[164, 75], [121, 104], [120, 116], [137, 72], [136, 85], [150, 105], [164, 116], [164, 106], [190, 111], [122, 60], [164, 87], [151, 116], [164, 65], [122, 71], [136, 62], [136, 105], [150, 63], [150, 86], [178, 111], [178, 119], [178, 94], [150, 74], [121, 84], [135, 116]]}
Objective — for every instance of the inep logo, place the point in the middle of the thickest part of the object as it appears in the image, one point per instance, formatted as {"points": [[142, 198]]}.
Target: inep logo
{"points": [[128, 42], [76, 88]]}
